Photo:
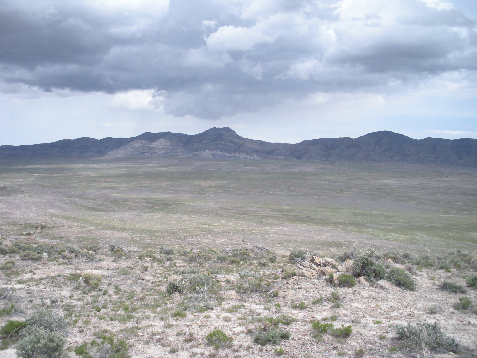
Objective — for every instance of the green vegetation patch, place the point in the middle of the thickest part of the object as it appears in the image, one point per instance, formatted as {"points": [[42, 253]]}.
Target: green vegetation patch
{"points": [[12, 327], [345, 280], [297, 256], [283, 319], [463, 304], [321, 328], [472, 282], [425, 336], [91, 280], [43, 337], [175, 287], [39, 343], [343, 332], [366, 265], [218, 339], [5, 311], [273, 335], [401, 278], [452, 287]]}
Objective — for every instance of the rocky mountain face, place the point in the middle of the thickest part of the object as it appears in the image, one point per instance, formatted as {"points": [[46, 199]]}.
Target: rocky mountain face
{"points": [[224, 143]]}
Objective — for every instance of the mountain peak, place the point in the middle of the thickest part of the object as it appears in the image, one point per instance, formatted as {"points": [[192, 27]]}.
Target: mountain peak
{"points": [[384, 134], [222, 130]]}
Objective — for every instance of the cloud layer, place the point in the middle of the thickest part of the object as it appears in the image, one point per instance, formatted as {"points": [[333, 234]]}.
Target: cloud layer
{"points": [[216, 58]]}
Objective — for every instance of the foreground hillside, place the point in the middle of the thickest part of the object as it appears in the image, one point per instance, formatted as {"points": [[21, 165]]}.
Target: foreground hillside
{"points": [[382, 146], [118, 301]]}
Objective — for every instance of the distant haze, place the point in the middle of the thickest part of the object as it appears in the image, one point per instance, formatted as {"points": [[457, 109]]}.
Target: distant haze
{"points": [[277, 70]]}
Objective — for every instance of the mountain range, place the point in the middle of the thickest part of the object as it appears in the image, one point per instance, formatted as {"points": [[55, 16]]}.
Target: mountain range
{"points": [[383, 146]]}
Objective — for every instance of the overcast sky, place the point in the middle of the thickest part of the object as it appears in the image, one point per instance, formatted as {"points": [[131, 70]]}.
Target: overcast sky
{"points": [[278, 70]]}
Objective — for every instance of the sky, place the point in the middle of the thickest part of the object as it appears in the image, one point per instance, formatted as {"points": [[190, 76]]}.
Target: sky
{"points": [[276, 70]]}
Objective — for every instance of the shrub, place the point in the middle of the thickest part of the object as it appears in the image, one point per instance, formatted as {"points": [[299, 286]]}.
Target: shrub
{"points": [[283, 319], [288, 272], [348, 255], [401, 278], [472, 281], [426, 335], [40, 343], [48, 321], [118, 251], [175, 286], [82, 351], [91, 280], [218, 339], [179, 314], [200, 283], [10, 264], [343, 332], [463, 304], [43, 337], [366, 265], [321, 328], [5, 311], [452, 287], [273, 336], [335, 299], [166, 250], [250, 283], [317, 300], [345, 280], [10, 333], [110, 346], [12, 327], [297, 256], [299, 306], [30, 255]]}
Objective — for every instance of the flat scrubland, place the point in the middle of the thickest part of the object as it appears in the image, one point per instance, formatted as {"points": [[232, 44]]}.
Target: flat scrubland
{"points": [[237, 259]]}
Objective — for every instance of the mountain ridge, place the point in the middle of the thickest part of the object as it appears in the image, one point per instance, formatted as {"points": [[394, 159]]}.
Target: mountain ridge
{"points": [[225, 143]]}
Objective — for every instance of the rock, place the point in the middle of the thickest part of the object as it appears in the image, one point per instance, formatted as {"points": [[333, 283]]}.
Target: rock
{"points": [[364, 294], [8, 353], [385, 285], [327, 271], [363, 281], [346, 266], [238, 330], [324, 262], [391, 263], [230, 295], [335, 278]]}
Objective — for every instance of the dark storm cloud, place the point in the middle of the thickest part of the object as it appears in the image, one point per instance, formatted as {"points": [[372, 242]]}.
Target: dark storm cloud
{"points": [[216, 58]]}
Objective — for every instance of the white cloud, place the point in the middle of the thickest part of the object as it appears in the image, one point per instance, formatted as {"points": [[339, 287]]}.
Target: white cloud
{"points": [[253, 69], [305, 70], [236, 38], [203, 58], [155, 7], [226, 59], [134, 99], [439, 4]]}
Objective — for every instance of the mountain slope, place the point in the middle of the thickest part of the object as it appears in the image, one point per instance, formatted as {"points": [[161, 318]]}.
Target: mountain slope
{"points": [[381, 146]]}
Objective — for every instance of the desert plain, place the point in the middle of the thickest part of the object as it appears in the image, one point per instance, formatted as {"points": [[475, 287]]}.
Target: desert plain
{"points": [[212, 258]]}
